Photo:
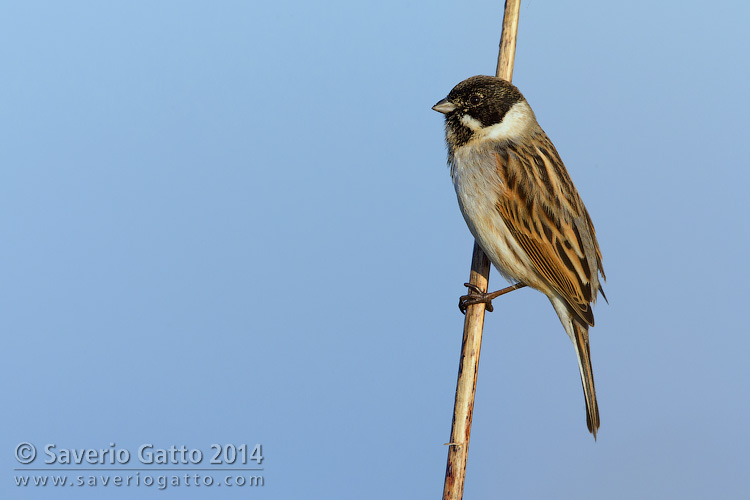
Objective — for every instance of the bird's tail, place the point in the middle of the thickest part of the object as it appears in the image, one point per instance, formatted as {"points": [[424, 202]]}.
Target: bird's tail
{"points": [[581, 342]]}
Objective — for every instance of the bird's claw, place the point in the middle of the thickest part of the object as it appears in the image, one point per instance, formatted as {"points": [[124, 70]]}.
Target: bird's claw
{"points": [[475, 296]]}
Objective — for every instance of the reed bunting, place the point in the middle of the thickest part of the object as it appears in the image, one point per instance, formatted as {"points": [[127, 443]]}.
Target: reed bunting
{"points": [[524, 211]]}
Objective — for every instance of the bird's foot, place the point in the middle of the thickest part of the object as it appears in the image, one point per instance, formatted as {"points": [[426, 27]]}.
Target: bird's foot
{"points": [[477, 296]]}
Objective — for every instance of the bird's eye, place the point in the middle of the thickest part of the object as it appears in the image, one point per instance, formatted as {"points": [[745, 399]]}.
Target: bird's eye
{"points": [[475, 99]]}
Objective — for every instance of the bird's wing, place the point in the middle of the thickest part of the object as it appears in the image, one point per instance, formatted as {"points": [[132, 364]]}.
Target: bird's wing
{"points": [[543, 211]]}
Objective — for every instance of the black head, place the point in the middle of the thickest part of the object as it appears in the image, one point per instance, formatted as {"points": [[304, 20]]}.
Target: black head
{"points": [[479, 101]]}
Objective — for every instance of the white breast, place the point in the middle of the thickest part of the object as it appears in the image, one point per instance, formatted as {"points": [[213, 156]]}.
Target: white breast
{"points": [[478, 188]]}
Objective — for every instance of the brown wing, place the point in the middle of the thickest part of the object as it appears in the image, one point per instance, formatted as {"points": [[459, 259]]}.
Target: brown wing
{"points": [[545, 214]]}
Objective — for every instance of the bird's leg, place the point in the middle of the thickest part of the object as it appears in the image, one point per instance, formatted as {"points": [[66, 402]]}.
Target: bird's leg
{"points": [[476, 296]]}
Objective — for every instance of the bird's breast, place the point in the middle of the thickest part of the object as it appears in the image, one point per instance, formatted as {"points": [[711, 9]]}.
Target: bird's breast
{"points": [[479, 182]]}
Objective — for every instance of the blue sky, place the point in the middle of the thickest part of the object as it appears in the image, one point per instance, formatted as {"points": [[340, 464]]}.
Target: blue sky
{"points": [[231, 222]]}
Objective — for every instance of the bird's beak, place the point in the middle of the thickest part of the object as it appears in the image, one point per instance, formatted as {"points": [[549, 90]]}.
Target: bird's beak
{"points": [[444, 106]]}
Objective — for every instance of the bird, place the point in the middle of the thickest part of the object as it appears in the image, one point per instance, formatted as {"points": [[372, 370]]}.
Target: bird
{"points": [[523, 210]]}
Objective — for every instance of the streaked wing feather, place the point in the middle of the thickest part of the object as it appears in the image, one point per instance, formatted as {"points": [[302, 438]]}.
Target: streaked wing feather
{"points": [[543, 211]]}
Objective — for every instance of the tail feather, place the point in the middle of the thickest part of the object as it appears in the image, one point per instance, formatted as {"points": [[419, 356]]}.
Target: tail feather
{"points": [[581, 342]]}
